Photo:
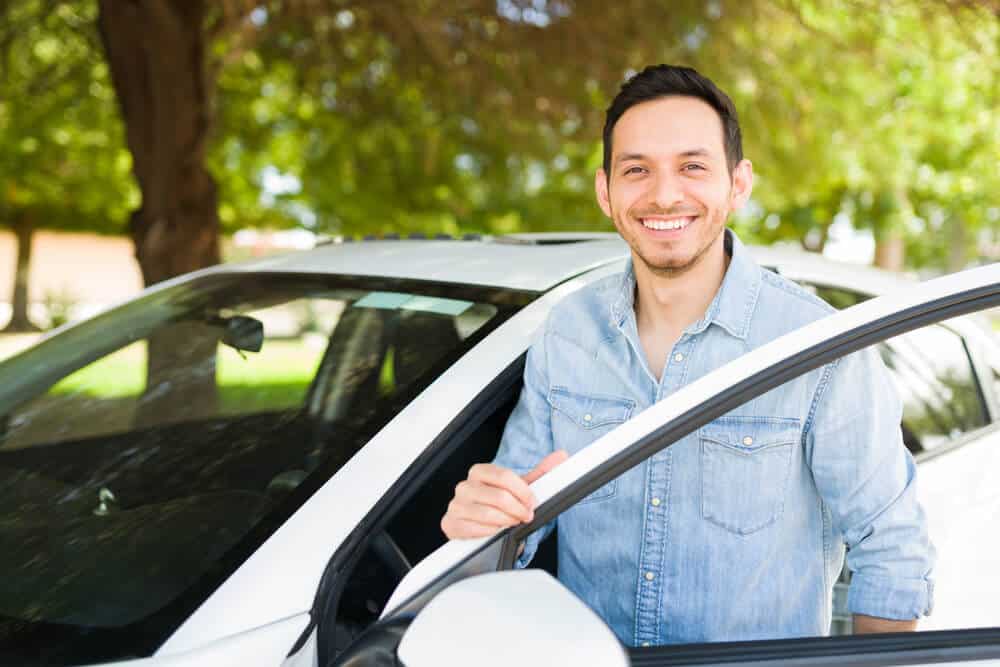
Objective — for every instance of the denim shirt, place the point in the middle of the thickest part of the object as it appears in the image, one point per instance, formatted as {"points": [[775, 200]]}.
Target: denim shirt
{"points": [[737, 531]]}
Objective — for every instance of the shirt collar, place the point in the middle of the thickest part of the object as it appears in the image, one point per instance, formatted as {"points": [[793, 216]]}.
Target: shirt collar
{"points": [[733, 304]]}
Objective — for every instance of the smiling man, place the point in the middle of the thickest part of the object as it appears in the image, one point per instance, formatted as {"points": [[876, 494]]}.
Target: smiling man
{"points": [[737, 531]]}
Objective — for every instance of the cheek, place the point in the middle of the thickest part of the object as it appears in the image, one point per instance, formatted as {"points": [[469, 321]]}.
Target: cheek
{"points": [[625, 197], [710, 195]]}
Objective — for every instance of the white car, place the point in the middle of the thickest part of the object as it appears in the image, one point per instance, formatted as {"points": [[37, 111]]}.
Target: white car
{"points": [[242, 465]]}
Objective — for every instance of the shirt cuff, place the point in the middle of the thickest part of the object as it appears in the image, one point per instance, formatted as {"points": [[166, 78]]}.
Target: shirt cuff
{"points": [[897, 599], [530, 547]]}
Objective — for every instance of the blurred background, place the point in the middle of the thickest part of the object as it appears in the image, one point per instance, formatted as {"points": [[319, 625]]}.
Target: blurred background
{"points": [[143, 139]]}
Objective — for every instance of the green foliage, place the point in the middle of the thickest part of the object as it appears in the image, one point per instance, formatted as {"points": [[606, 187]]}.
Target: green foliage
{"points": [[61, 146], [373, 118]]}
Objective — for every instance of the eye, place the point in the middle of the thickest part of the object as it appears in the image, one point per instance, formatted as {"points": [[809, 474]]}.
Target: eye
{"points": [[634, 170], [693, 166]]}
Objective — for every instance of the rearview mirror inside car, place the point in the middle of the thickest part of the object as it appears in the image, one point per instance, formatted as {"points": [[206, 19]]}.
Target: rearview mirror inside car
{"points": [[242, 333]]}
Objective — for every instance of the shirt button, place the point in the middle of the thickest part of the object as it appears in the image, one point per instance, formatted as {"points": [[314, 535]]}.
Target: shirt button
{"points": [[650, 576], [656, 502], [748, 441], [587, 417], [678, 357]]}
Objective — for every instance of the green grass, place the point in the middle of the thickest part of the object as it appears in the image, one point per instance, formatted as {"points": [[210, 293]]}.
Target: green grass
{"points": [[275, 378]]}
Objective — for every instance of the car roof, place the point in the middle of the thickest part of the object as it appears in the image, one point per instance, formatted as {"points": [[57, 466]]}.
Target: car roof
{"points": [[535, 262], [799, 265], [539, 261]]}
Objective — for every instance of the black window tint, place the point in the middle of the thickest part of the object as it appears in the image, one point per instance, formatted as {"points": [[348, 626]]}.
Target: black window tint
{"points": [[934, 376], [144, 455]]}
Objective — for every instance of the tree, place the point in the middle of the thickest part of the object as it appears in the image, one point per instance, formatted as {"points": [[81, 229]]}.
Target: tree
{"points": [[63, 163], [483, 114]]}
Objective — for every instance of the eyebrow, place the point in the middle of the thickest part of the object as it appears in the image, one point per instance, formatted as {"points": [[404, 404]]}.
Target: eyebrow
{"points": [[691, 152]]}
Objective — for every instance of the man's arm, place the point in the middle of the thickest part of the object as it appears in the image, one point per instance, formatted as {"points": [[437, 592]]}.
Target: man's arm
{"points": [[868, 625], [866, 478]]}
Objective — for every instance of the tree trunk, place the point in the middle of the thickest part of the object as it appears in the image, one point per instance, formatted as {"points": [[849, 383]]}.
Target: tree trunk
{"points": [[24, 231], [890, 251], [156, 54], [957, 254]]}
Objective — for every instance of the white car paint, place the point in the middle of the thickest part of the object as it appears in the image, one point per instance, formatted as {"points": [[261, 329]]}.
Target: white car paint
{"points": [[494, 262], [267, 645], [476, 620]]}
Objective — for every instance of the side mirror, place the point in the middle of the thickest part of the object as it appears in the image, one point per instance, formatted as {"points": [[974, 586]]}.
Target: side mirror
{"points": [[514, 617], [243, 333]]}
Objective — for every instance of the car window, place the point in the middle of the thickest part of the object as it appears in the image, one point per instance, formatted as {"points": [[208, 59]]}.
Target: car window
{"points": [[934, 375], [149, 451], [941, 396]]}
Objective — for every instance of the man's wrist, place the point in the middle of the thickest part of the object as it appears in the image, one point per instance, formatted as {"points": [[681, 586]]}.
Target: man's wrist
{"points": [[866, 625]]}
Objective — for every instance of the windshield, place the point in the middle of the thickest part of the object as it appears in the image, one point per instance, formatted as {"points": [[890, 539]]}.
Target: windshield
{"points": [[146, 453]]}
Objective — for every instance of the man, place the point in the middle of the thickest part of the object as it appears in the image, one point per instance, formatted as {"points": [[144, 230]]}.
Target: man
{"points": [[737, 531]]}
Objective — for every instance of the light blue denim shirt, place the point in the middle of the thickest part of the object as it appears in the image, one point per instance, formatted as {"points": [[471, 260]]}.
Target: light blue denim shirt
{"points": [[737, 531]]}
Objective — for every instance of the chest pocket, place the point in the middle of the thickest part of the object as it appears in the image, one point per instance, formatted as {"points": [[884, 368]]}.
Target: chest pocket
{"points": [[579, 419], [745, 465]]}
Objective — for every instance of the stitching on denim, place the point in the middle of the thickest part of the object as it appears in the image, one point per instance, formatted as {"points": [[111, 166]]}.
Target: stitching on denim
{"points": [[824, 382], [794, 289], [668, 463], [642, 547]]}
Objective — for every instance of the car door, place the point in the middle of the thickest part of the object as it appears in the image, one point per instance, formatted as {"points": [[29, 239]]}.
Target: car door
{"points": [[656, 428]]}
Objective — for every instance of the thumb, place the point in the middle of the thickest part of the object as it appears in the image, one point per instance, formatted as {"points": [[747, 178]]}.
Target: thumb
{"points": [[545, 465]]}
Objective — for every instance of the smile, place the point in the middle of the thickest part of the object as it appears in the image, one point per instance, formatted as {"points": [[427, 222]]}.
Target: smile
{"points": [[660, 225]]}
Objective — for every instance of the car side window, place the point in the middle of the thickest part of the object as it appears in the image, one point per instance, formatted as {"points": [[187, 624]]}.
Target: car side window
{"points": [[934, 376]]}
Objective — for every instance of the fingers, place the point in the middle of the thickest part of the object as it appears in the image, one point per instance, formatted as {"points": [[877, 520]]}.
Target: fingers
{"points": [[493, 498], [460, 529], [546, 464], [504, 478], [474, 493]]}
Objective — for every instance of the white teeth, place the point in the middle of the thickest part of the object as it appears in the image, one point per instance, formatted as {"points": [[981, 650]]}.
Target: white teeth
{"points": [[661, 225]]}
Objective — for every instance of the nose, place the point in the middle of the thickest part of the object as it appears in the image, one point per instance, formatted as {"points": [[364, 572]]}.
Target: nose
{"points": [[666, 189]]}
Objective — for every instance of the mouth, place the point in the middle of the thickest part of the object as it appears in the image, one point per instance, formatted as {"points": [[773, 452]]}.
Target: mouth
{"points": [[661, 224]]}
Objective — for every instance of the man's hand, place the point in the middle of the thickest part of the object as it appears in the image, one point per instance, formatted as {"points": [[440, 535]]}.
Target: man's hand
{"points": [[865, 625], [493, 498]]}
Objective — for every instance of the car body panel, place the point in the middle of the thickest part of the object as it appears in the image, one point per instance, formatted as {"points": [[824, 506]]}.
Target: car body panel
{"points": [[511, 265], [266, 645]]}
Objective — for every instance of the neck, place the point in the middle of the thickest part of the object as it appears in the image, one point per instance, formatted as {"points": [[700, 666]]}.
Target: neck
{"points": [[673, 302]]}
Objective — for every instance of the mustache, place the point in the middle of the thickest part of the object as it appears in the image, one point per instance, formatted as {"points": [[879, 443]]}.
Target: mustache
{"points": [[673, 211]]}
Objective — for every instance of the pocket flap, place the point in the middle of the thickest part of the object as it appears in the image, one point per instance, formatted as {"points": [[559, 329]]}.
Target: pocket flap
{"points": [[749, 434], [590, 410]]}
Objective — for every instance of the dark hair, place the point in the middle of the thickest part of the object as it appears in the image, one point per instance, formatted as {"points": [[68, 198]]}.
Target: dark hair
{"points": [[658, 81]]}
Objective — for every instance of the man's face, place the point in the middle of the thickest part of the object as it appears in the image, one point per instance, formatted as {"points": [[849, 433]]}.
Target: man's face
{"points": [[670, 190]]}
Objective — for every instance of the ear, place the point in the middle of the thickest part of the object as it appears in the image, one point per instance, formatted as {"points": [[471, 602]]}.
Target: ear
{"points": [[742, 185], [601, 189]]}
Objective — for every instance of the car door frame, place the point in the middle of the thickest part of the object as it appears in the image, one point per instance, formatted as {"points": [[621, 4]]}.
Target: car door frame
{"points": [[712, 396]]}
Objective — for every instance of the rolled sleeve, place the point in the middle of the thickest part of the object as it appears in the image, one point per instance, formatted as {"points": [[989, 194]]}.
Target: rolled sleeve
{"points": [[867, 479], [527, 437], [890, 597]]}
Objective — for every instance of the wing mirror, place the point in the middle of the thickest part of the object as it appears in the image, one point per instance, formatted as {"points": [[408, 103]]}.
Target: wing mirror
{"points": [[514, 617]]}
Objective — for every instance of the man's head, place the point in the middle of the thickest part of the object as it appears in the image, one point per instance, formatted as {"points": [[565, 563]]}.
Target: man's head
{"points": [[673, 167]]}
